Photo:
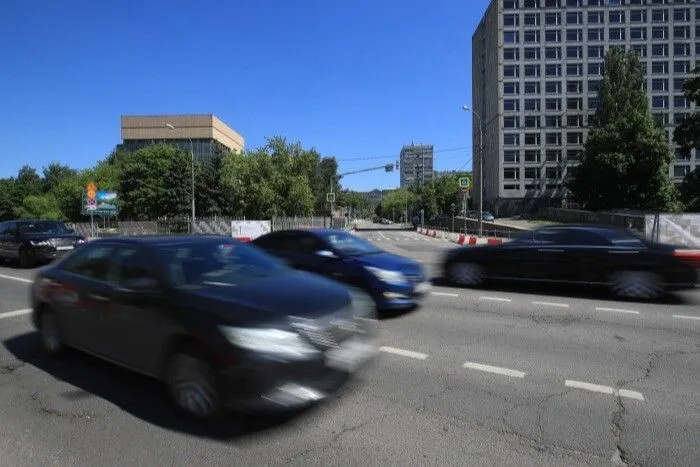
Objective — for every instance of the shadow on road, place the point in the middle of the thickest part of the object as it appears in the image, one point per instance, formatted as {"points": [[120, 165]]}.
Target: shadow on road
{"points": [[138, 395], [571, 291], [394, 314]]}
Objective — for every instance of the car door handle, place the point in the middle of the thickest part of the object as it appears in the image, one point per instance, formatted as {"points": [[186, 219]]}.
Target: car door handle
{"points": [[550, 250]]}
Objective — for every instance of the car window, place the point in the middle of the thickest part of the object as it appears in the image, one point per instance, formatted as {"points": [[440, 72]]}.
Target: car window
{"points": [[551, 237], [217, 263], [91, 261], [8, 228], [350, 245], [309, 244], [43, 227], [132, 262], [622, 238], [273, 241]]}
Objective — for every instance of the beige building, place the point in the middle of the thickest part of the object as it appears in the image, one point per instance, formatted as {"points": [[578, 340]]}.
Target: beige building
{"points": [[202, 134]]}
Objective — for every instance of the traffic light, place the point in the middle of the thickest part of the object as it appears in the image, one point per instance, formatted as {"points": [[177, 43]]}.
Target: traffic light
{"points": [[389, 167]]}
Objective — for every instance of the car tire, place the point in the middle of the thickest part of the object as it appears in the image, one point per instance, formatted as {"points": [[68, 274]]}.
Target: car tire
{"points": [[27, 258], [637, 285], [49, 332], [466, 274], [193, 385]]}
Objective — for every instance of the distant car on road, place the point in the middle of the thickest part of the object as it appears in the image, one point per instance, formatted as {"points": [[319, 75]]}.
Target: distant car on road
{"points": [[585, 254], [394, 282], [223, 324], [34, 241]]}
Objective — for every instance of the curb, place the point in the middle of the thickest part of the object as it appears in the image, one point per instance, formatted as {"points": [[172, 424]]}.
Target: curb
{"points": [[461, 239]]}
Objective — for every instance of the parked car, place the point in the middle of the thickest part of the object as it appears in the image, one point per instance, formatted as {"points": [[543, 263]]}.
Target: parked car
{"points": [[394, 282], [34, 241], [223, 324], [585, 254]]}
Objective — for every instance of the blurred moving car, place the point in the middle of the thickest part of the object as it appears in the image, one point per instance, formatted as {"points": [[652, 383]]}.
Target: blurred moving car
{"points": [[36, 241], [223, 324], [586, 254], [394, 282]]}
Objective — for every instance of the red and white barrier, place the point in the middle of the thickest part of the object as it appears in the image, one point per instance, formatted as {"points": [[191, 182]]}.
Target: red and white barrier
{"points": [[244, 239], [461, 239]]}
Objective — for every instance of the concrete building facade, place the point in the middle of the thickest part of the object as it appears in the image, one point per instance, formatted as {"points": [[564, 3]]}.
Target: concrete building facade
{"points": [[546, 57], [416, 164], [204, 134]]}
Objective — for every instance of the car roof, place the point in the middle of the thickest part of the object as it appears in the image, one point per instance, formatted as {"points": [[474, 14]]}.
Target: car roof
{"points": [[594, 228], [163, 240], [315, 231]]}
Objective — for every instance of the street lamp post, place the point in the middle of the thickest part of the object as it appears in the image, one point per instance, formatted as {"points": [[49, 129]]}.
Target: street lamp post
{"points": [[466, 108], [192, 228]]}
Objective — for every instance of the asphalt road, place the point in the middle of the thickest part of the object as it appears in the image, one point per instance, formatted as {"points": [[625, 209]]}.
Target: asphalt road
{"points": [[473, 377]]}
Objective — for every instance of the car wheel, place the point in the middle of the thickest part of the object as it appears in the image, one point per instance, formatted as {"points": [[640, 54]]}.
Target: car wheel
{"points": [[470, 274], [27, 258], [637, 284], [49, 332], [193, 385]]}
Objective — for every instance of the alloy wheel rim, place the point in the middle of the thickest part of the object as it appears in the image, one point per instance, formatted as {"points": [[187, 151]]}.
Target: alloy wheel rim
{"points": [[633, 284], [191, 388]]}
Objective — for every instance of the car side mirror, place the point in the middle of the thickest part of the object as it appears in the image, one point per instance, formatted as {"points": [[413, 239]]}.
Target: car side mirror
{"points": [[326, 254]]}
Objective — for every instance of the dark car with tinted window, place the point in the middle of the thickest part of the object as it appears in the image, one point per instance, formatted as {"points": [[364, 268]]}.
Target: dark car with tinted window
{"points": [[627, 264], [393, 281], [222, 323], [36, 241]]}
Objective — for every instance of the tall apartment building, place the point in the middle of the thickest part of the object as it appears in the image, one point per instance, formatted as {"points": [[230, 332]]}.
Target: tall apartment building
{"points": [[202, 134], [416, 164], [547, 58]]}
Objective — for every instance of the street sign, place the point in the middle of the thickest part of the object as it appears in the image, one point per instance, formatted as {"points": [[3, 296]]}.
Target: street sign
{"points": [[330, 197], [91, 204], [91, 191], [465, 182], [464, 191]]}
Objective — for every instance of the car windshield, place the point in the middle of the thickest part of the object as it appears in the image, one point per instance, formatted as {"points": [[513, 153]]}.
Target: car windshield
{"points": [[350, 244], [218, 264], [43, 227]]}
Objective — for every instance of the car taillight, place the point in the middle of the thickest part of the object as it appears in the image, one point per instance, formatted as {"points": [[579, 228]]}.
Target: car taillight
{"points": [[691, 257]]}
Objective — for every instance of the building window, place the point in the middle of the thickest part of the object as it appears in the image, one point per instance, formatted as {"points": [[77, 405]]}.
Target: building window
{"points": [[616, 34], [552, 3], [511, 173], [552, 87], [659, 16], [638, 16], [681, 32], [532, 105], [552, 18], [659, 68], [552, 53], [552, 104], [532, 87], [659, 32], [574, 69], [658, 84], [681, 50], [552, 69], [678, 84], [532, 156], [574, 35], [574, 138], [595, 68], [681, 66], [659, 50], [511, 71], [532, 36], [511, 105], [660, 118], [511, 156], [510, 54], [680, 171], [681, 14], [574, 155], [574, 17], [593, 103], [552, 35], [531, 19], [511, 88], [574, 51], [512, 19], [552, 121], [594, 85], [531, 4], [678, 117], [510, 4], [532, 139], [596, 51], [659, 102], [511, 139], [638, 34], [553, 139], [532, 121], [532, 173], [680, 102], [511, 37], [574, 103], [641, 50], [553, 155], [616, 17], [574, 121], [574, 2], [596, 17], [511, 122], [532, 53], [552, 172], [596, 34], [574, 87], [532, 71]]}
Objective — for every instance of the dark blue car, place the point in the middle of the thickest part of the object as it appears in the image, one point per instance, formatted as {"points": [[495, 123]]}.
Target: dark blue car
{"points": [[394, 282]]}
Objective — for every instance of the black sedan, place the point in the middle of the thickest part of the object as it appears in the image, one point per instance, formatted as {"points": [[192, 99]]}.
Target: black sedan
{"points": [[594, 255], [32, 241], [223, 324], [394, 282]]}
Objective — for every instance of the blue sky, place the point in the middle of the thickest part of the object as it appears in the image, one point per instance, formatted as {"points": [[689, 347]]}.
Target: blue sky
{"points": [[355, 80]]}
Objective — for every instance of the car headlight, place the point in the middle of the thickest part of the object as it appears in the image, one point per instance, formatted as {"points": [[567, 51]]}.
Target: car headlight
{"points": [[270, 341], [40, 242], [80, 240], [390, 277]]}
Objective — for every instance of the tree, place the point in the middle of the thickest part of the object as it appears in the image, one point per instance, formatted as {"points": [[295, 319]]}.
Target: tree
{"points": [[687, 136], [54, 174], [8, 198], [155, 182], [437, 196], [39, 207], [209, 195], [28, 182], [626, 156], [395, 204]]}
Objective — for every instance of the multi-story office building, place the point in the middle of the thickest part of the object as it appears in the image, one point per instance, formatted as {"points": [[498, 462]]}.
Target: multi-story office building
{"points": [[416, 164], [547, 58], [203, 135]]}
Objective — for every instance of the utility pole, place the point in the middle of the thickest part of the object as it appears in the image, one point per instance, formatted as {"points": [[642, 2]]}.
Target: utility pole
{"points": [[481, 168]]}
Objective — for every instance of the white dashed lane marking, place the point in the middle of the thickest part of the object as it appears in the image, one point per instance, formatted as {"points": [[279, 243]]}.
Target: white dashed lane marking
{"points": [[695, 318], [14, 278], [604, 389], [555, 304], [617, 310], [494, 369], [445, 294], [496, 299], [12, 314], [404, 353]]}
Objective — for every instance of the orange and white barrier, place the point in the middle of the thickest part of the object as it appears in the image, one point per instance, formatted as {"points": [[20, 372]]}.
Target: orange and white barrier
{"points": [[461, 239]]}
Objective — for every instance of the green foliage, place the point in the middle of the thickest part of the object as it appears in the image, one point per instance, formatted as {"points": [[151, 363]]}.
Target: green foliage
{"points": [[355, 202], [626, 157], [395, 203], [687, 136], [39, 207]]}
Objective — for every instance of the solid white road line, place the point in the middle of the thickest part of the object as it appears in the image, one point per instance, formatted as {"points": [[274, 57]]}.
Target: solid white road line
{"points": [[496, 299], [11, 314], [445, 294], [494, 369], [616, 310], [604, 389], [404, 353], [15, 278], [696, 318], [560, 305]]}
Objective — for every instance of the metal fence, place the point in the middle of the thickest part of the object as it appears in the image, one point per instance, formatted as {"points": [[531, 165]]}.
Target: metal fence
{"points": [[206, 226]]}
